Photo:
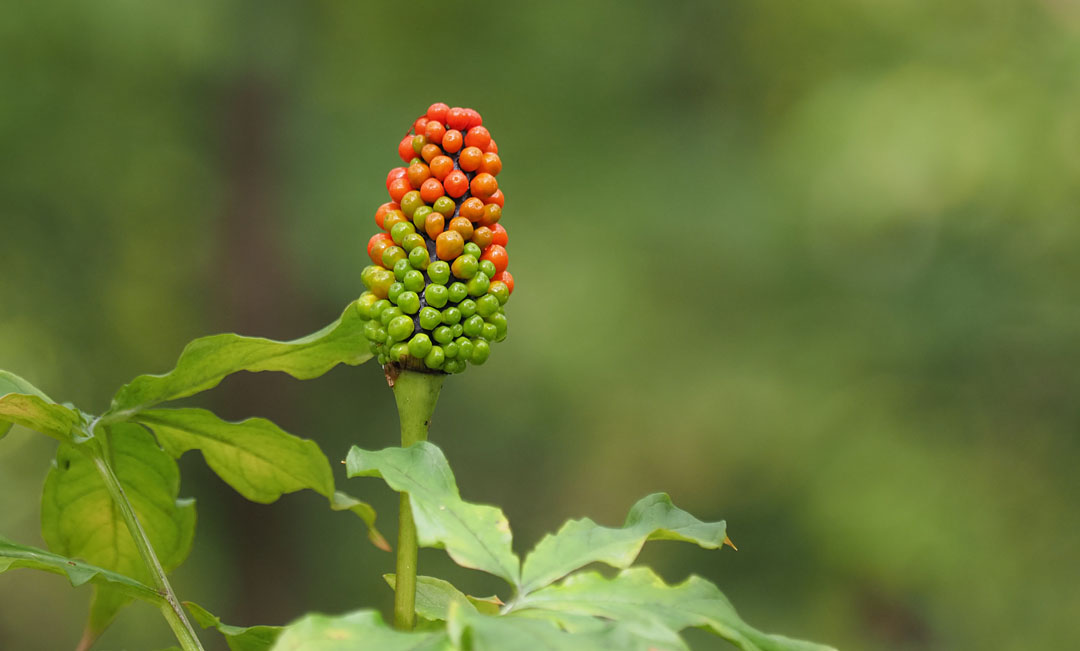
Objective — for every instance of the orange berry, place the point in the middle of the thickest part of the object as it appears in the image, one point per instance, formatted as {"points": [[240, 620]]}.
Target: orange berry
{"points": [[491, 148], [441, 166], [481, 237], [418, 173], [431, 190], [499, 258], [453, 141], [420, 125], [456, 183], [398, 188], [497, 197], [499, 235], [429, 151], [375, 239], [483, 185], [477, 137], [463, 226], [433, 224], [395, 173], [449, 245], [437, 111], [383, 210], [405, 150], [376, 245], [492, 214], [491, 163], [506, 279], [393, 217], [434, 131], [457, 118], [470, 159], [472, 208]]}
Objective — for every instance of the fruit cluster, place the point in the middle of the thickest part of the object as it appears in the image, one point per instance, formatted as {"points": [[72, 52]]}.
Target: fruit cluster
{"points": [[438, 280]]}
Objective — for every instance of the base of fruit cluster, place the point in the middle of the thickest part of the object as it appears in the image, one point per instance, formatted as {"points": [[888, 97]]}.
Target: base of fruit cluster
{"points": [[394, 369]]}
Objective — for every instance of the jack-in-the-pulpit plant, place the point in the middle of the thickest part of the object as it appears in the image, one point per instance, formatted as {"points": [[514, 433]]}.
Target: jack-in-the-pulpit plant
{"points": [[112, 515]]}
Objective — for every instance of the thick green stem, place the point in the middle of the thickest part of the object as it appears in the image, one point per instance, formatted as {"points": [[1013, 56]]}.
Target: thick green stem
{"points": [[416, 394], [173, 611]]}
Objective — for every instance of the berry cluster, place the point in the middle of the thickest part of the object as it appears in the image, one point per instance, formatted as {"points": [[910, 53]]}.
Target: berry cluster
{"points": [[438, 282]]}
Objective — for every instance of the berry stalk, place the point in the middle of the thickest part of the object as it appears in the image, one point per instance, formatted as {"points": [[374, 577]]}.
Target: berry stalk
{"points": [[416, 393]]}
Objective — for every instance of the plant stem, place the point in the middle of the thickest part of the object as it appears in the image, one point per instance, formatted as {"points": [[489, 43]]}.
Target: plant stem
{"points": [[173, 611], [416, 394]]}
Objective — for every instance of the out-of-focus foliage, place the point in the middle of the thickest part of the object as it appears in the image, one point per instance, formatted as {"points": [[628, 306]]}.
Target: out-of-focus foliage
{"points": [[827, 248]]}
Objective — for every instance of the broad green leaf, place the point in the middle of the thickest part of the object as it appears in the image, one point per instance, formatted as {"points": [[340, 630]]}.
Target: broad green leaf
{"points": [[206, 361], [639, 595], [477, 632], [475, 536], [580, 542], [363, 630], [239, 638], [435, 596], [80, 519], [21, 403], [256, 457], [13, 556], [656, 636]]}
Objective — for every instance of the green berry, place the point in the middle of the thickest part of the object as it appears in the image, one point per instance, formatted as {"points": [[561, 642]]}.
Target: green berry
{"points": [[473, 325], [487, 305], [378, 307], [414, 282], [451, 315], [419, 346], [478, 285], [398, 352], [420, 216], [419, 257], [489, 331], [389, 314], [364, 303], [487, 267], [391, 255], [409, 302], [435, 357], [465, 266], [401, 267], [458, 291], [454, 366], [418, 142], [374, 347], [430, 318], [367, 275], [399, 328], [443, 335], [374, 332], [499, 290], [471, 248], [400, 230], [464, 346], [481, 350], [450, 349], [395, 291], [499, 321], [436, 295], [412, 242], [439, 272], [409, 203], [382, 359], [445, 205], [457, 329], [467, 307]]}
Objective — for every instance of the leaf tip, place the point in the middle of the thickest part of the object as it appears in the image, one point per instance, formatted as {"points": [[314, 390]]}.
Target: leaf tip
{"points": [[729, 543]]}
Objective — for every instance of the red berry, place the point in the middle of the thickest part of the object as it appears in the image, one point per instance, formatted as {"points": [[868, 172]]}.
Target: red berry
{"points": [[377, 244], [420, 125], [383, 210], [499, 235], [434, 131], [457, 118], [398, 188], [477, 137], [497, 198], [395, 173], [431, 190], [497, 254], [453, 141], [437, 111], [456, 183], [405, 150], [491, 148], [474, 118]]}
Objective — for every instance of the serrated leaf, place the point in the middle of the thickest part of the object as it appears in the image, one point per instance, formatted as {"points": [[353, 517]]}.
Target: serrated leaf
{"points": [[239, 638], [21, 403], [14, 556], [256, 457], [435, 596], [474, 535], [477, 632], [639, 595], [206, 361], [580, 542], [363, 630], [80, 519]]}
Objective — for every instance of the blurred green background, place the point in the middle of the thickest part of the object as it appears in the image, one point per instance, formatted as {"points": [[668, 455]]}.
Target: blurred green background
{"points": [[809, 267]]}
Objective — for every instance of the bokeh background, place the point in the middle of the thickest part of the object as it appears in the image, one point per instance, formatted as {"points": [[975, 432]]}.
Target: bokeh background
{"points": [[809, 267]]}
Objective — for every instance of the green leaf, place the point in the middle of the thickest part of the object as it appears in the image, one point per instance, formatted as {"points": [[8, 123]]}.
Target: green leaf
{"points": [[435, 596], [639, 595], [24, 404], [363, 630], [80, 519], [475, 536], [206, 361], [477, 632], [13, 556], [252, 638], [580, 542]]}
